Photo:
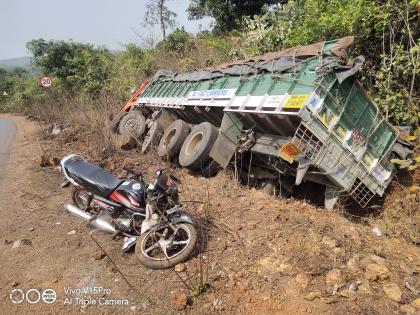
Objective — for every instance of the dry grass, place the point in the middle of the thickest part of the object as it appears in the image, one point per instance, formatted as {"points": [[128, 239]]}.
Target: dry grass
{"points": [[87, 118]]}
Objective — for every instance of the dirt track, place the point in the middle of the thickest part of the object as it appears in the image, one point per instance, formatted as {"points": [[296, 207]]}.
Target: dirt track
{"points": [[266, 256]]}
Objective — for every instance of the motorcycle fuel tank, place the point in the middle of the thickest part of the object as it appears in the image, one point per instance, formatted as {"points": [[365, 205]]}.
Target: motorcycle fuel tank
{"points": [[130, 192]]}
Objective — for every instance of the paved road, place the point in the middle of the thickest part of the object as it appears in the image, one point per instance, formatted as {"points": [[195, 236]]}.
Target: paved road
{"points": [[7, 135]]}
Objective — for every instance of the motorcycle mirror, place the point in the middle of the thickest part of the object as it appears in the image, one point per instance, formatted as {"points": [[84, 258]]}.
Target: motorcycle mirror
{"points": [[174, 178]]}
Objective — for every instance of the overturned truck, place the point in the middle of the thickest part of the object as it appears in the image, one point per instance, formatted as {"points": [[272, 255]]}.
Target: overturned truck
{"points": [[281, 118]]}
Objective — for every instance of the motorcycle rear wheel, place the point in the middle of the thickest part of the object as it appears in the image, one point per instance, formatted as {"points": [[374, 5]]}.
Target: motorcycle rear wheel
{"points": [[79, 197], [158, 252]]}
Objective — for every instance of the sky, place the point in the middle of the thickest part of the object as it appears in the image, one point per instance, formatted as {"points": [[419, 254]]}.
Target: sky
{"points": [[100, 22]]}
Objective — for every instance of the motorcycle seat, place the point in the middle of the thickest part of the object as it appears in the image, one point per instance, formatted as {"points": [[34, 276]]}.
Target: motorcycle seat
{"points": [[92, 177]]}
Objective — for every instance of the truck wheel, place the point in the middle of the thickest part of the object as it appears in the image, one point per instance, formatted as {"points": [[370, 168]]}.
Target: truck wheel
{"points": [[196, 148], [173, 138], [133, 124], [116, 121]]}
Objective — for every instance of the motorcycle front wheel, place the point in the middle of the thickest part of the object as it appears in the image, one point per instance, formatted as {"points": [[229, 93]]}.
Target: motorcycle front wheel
{"points": [[162, 247]]}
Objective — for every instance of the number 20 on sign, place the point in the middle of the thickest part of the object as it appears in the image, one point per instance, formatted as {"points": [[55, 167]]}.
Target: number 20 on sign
{"points": [[45, 82]]}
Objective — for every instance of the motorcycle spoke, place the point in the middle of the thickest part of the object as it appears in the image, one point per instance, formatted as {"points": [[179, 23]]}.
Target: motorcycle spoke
{"points": [[154, 246], [164, 250], [180, 242]]}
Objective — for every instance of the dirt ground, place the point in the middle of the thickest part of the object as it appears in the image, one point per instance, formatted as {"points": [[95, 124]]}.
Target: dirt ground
{"points": [[262, 255]]}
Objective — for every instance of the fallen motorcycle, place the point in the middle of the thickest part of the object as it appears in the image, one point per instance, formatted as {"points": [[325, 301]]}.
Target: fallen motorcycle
{"points": [[149, 216]]}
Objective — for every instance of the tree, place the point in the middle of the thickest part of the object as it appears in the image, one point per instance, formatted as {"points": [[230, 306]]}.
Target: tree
{"points": [[157, 13], [80, 67], [228, 12]]}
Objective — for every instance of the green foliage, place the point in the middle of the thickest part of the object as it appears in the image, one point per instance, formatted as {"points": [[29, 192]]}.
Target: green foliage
{"points": [[80, 67], [228, 12], [129, 69], [387, 34], [178, 43]]}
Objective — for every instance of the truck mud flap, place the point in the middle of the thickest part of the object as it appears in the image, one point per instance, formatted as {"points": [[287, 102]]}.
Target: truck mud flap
{"points": [[227, 141]]}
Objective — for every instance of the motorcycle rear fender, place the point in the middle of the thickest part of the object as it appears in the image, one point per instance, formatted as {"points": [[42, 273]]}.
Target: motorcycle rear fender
{"points": [[183, 218], [63, 169]]}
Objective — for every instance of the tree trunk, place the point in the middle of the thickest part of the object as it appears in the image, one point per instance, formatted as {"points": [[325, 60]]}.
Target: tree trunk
{"points": [[162, 22]]}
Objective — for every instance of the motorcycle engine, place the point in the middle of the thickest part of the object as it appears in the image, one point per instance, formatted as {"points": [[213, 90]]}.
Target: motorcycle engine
{"points": [[123, 223]]}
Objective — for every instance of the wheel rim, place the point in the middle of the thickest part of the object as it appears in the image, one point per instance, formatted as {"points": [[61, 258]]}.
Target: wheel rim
{"points": [[163, 244], [170, 136], [194, 143], [131, 124], [81, 198]]}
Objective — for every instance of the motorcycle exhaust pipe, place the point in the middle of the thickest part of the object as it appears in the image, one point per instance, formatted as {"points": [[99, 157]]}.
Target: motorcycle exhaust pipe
{"points": [[98, 223]]}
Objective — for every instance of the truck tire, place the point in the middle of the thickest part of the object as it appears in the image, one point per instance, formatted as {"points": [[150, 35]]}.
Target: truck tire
{"points": [[133, 124], [173, 138], [116, 121], [196, 148]]}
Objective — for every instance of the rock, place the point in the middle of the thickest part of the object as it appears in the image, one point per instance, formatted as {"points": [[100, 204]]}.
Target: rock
{"points": [[376, 231], [333, 277], [251, 226], [19, 243], [351, 295], [416, 303], [270, 264], [353, 287], [71, 232], [313, 295], [364, 288], [98, 255], [14, 284], [409, 269], [180, 267], [408, 309], [8, 242], [353, 263], [376, 271], [354, 233], [303, 280], [32, 229], [378, 259], [179, 299], [329, 241], [53, 129], [44, 160], [242, 287], [217, 302], [231, 283], [392, 291]]}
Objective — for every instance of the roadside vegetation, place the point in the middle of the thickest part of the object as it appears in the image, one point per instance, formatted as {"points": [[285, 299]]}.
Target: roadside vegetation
{"points": [[91, 83], [387, 34]]}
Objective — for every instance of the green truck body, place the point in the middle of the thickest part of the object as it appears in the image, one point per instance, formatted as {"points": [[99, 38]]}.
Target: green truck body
{"points": [[302, 113]]}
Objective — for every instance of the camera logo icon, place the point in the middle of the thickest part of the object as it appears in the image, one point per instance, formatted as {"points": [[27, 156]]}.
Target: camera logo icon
{"points": [[33, 296]]}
